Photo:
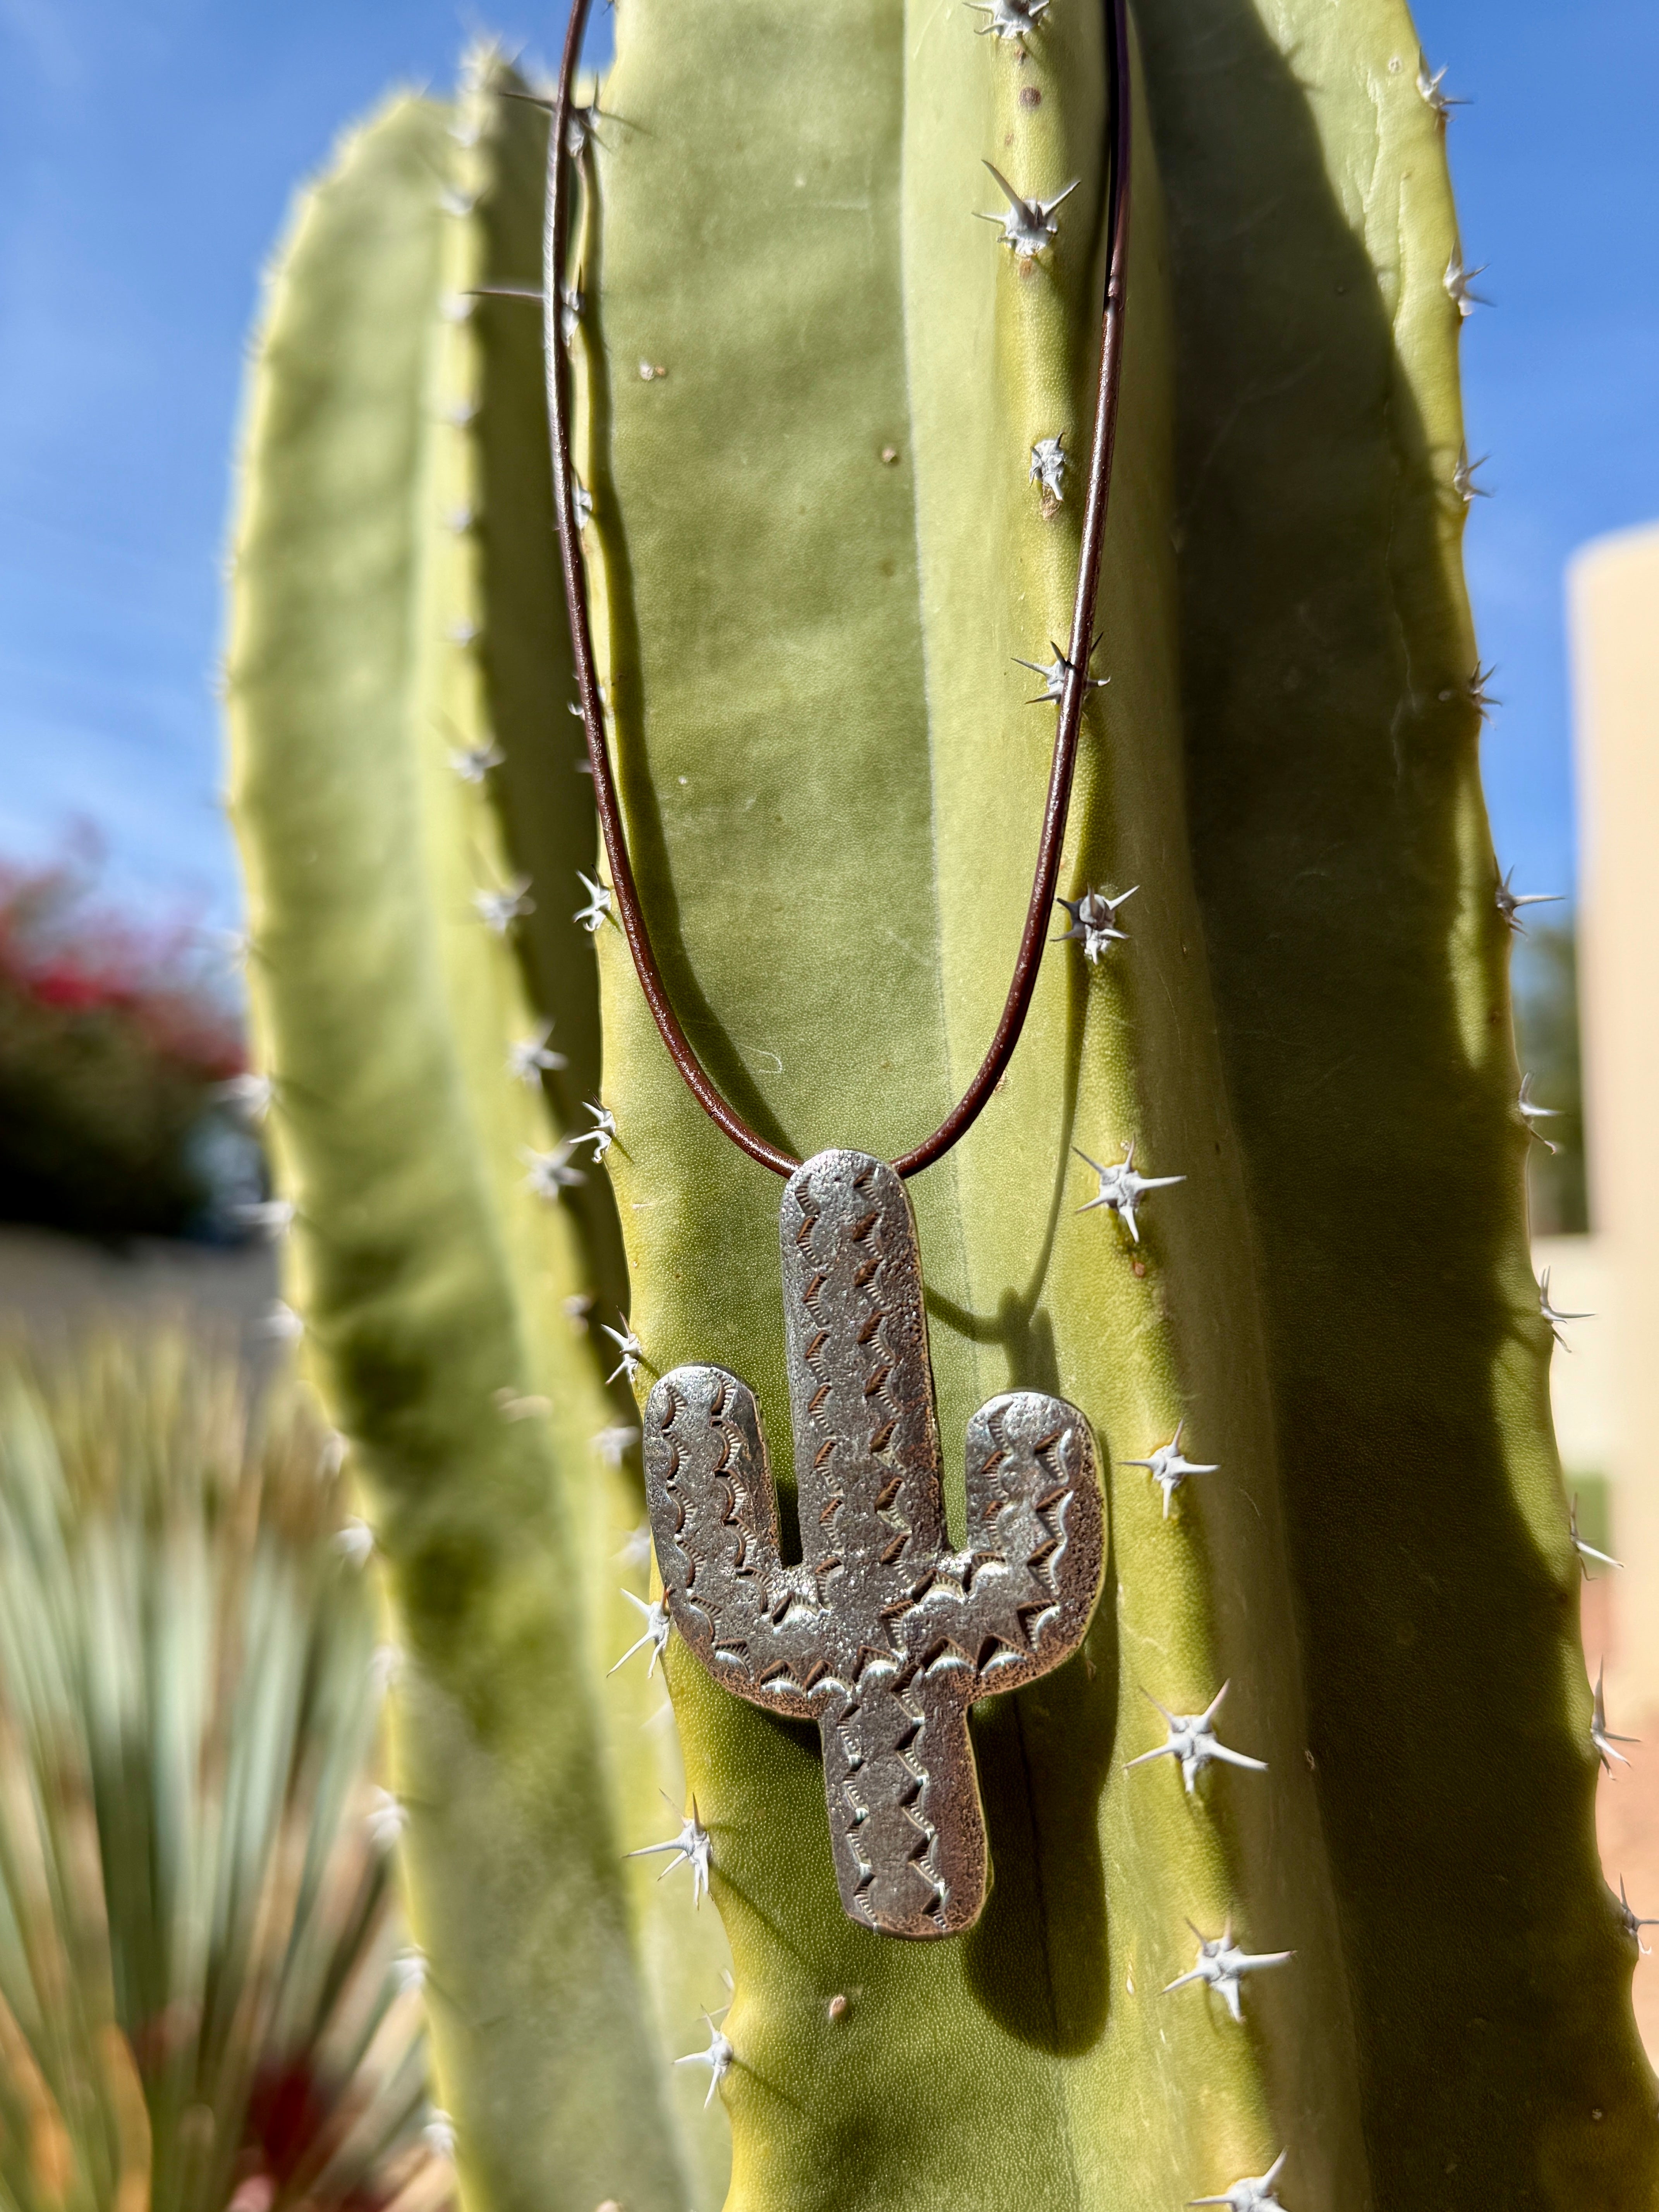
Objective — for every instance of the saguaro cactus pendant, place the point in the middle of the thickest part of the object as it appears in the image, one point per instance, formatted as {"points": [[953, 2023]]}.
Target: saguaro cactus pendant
{"points": [[882, 1635]]}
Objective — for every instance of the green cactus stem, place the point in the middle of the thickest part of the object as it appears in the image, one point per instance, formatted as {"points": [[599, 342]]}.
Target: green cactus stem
{"points": [[843, 972], [396, 661]]}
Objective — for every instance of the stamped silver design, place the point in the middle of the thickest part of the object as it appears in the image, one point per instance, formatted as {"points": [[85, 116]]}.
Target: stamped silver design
{"points": [[882, 1635]]}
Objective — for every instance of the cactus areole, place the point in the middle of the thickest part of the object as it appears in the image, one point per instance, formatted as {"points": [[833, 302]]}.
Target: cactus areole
{"points": [[882, 1635]]}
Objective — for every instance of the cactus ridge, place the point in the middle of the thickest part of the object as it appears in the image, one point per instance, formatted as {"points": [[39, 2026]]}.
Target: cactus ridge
{"points": [[882, 1634]]}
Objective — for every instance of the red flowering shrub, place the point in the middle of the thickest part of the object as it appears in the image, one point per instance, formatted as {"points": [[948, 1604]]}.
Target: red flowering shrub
{"points": [[112, 1040]]}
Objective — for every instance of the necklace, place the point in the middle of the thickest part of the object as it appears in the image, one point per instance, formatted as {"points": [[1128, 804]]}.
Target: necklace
{"points": [[882, 1635]]}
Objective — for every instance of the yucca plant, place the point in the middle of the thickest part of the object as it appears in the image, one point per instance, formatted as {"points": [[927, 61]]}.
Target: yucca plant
{"points": [[830, 445], [206, 1998]]}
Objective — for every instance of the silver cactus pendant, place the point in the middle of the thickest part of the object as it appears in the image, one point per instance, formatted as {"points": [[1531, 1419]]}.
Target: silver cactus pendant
{"points": [[882, 1635]]}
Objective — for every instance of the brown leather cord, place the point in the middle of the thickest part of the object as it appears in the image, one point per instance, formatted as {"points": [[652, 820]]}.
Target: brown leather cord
{"points": [[624, 890]]}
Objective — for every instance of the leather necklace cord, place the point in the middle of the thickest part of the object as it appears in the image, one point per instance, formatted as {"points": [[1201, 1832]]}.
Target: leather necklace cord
{"points": [[624, 888]]}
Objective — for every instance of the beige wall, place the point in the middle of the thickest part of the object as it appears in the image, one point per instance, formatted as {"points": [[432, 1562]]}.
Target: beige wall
{"points": [[1614, 612]]}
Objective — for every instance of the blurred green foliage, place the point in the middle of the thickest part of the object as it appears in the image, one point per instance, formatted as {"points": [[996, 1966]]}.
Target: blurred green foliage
{"points": [[1545, 976], [1592, 1498], [202, 2001]]}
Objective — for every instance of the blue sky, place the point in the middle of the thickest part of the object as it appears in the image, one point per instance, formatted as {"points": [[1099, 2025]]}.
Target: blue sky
{"points": [[147, 150]]}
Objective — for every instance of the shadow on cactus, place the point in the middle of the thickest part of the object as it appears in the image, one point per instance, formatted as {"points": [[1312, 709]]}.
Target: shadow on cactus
{"points": [[206, 1998]]}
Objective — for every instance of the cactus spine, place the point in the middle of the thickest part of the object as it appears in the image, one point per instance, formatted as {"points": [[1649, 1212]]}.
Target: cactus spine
{"points": [[830, 430]]}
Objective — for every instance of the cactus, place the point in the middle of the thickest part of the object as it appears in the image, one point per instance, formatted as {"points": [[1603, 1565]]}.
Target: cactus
{"points": [[831, 436]]}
